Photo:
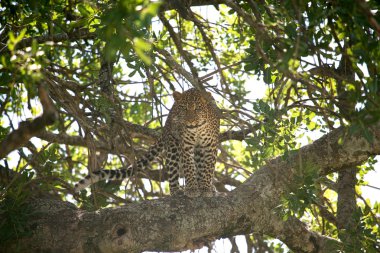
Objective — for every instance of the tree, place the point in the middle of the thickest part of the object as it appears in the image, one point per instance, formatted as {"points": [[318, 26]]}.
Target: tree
{"points": [[104, 73]]}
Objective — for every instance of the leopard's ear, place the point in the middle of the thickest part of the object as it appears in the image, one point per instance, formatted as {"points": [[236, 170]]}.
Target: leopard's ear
{"points": [[177, 96], [207, 96]]}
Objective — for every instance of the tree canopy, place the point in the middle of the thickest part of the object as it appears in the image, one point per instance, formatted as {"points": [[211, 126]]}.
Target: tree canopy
{"points": [[86, 85]]}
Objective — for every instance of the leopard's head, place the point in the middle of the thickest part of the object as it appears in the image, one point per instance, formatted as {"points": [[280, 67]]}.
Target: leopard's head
{"points": [[192, 107]]}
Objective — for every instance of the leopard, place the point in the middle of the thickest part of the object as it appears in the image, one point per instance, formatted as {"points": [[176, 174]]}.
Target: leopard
{"points": [[188, 146]]}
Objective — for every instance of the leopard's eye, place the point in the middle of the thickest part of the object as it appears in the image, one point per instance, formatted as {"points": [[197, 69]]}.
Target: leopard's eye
{"points": [[191, 107]]}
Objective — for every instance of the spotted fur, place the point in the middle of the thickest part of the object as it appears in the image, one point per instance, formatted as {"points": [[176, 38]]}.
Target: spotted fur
{"points": [[188, 142]]}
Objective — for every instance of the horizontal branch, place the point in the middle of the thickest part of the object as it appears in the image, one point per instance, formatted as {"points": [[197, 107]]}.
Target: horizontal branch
{"points": [[237, 135], [173, 4], [63, 138], [178, 223], [82, 33], [137, 131], [168, 224]]}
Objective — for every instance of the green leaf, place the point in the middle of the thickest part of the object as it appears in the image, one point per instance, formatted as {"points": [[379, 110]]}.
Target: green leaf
{"points": [[267, 76], [12, 42], [142, 47]]}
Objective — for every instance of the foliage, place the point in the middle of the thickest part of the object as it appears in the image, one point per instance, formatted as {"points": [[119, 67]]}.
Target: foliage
{"points": [[14, 211], [317, 64]]}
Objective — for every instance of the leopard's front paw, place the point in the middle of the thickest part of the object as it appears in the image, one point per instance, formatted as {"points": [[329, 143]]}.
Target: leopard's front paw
{"points": [[192, 192], [207, 192]]}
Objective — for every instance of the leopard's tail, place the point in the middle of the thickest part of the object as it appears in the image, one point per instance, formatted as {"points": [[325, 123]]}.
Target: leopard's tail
{"points": [[121, 174], [103, 175]]}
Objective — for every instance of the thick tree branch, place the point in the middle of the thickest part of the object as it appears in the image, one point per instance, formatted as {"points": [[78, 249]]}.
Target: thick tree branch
{"points": [[178, 223], [348, 219]]}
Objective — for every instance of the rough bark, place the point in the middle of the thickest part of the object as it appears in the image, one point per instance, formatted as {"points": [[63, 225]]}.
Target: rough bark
{"points": [[348, 218], [178, 223]]}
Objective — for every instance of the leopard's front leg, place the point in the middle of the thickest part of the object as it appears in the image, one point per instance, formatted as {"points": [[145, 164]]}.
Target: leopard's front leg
{"points": [[188, 166]]}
